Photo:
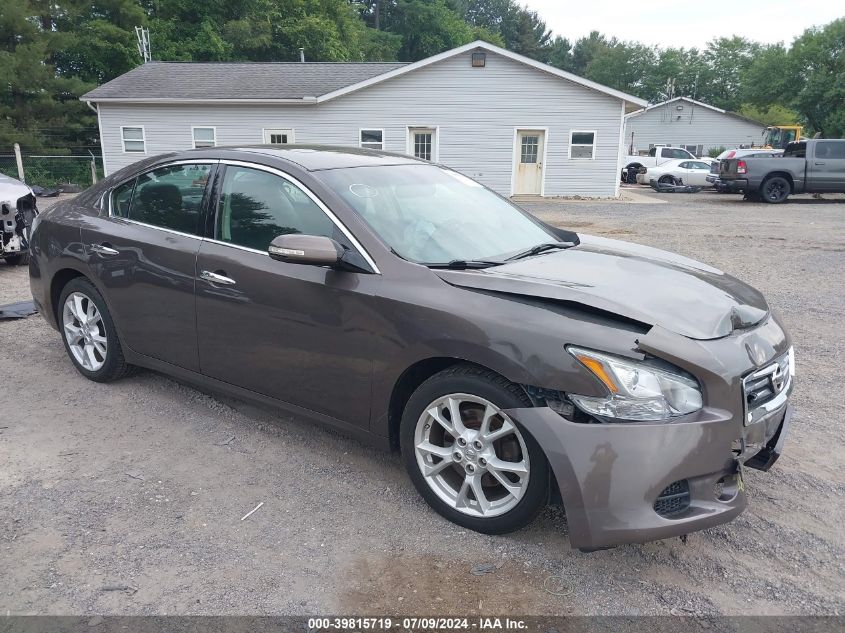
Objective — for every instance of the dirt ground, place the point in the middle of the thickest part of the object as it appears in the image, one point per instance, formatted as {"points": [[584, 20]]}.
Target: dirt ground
{"points": [[127, 498]]}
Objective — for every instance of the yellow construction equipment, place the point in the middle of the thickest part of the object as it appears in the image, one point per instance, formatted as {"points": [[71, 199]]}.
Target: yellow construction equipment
{"points": [[778, 136]]}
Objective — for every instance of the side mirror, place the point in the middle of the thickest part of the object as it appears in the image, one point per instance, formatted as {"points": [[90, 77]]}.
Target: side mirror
{"points": [[314, 250]]}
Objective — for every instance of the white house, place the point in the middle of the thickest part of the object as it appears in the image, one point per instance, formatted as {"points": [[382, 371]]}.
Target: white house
{"points": [[691, 124], [518, 126]]}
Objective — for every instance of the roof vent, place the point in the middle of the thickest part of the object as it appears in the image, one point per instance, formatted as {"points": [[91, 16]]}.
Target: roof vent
{"points": [[479, 59]]}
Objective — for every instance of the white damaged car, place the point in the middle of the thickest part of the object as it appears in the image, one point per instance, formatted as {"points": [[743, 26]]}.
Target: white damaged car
{"points": [[17, 210]]}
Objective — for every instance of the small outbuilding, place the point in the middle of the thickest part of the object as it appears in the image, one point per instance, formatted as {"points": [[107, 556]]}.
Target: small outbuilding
{"points": [[517, 125], [691, 124]]}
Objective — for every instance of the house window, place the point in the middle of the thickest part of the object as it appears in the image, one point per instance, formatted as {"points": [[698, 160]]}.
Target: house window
{"points": [[423, 143], [204, 136], [278, 136], [582, 144], [133, 139], [371, 139]]}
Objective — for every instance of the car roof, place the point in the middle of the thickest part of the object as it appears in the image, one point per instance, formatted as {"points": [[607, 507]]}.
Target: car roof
{"points": [[308, 157]]}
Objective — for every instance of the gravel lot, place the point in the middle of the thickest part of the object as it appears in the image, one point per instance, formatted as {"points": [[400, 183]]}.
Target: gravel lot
{"points": [[142, 484]]}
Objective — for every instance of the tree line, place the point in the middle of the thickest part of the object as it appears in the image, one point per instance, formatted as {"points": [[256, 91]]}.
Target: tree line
{"points": [[52, 51]]}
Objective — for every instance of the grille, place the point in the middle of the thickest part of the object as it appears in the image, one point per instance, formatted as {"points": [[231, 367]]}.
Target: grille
{"points": [[673, 500], [764, 385]]}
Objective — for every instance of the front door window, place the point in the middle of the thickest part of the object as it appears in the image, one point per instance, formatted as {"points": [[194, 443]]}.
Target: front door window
{"points": [[256, 206]]}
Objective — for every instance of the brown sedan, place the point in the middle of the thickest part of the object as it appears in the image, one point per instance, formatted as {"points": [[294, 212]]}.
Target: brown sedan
{"points": [[407, 305]]}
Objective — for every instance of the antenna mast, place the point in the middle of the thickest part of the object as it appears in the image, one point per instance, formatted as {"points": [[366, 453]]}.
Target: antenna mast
{"points": [[143, 36]]}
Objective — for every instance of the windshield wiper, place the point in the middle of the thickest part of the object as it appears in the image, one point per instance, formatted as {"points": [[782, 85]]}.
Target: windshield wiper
{"points": [[463, 264], [540, 248]]}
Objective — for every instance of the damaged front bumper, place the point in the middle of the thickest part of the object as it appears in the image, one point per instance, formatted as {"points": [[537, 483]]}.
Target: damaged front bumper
{"points": [[612, 477], [630, 482]]}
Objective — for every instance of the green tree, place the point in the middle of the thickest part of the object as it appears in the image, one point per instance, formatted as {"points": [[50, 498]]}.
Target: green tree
{"points": [[560, 54], [770, 78], [622, 66], [585, 49], [774, 114], [95, 41], [428, 27], [728, 60], [521, 30], [39, 107], [820, 86]]}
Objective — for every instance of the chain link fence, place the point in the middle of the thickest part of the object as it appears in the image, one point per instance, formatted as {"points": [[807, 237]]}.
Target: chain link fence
{"points": [[54, 171]]}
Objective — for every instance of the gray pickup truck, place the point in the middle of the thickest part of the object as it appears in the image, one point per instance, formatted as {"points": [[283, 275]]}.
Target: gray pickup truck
{"points": [[813, 166]]}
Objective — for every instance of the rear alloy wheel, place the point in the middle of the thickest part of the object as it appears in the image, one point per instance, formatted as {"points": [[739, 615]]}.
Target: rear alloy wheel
{"points": [[85, 331], [775, 190], [89, 334], [470, 461]]}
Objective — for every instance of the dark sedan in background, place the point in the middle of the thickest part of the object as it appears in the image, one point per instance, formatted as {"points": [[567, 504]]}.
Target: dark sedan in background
{"points": [[407, 305]]}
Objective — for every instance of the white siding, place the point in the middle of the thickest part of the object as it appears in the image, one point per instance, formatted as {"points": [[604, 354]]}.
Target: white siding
{"points": [[693, 125], [474, 109]]}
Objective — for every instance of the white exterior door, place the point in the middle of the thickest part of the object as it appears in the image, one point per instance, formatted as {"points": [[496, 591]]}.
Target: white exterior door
{"points": [[528, 176], [279, 136]]}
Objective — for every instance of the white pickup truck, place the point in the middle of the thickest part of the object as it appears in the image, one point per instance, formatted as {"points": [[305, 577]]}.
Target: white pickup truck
{"points": [[656, 156]]}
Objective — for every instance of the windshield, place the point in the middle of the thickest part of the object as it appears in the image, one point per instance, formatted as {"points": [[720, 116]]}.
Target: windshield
{"points": [[428, 214]]}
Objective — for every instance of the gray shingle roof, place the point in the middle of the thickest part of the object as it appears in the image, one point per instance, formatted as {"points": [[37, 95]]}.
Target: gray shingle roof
{"points": [[236, 80]]}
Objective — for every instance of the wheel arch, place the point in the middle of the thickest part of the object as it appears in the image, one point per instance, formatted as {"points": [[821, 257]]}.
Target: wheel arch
{"points": [[412, 378], [57, 283]]}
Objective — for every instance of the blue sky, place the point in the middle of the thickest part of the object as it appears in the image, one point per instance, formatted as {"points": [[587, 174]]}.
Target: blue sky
{"points": [[686, 23]]}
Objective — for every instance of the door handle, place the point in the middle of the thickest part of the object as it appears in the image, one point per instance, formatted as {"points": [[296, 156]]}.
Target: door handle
{"points": [[217, 278], [102, 249], [819, 163]]}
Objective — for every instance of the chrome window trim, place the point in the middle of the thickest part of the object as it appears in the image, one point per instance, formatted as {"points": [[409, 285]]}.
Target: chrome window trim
{"points": [[238, 246], [342, 227], [161, 228]]}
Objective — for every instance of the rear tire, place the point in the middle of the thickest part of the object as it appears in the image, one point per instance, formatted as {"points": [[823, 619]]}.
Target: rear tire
{"points": [[666, 180], [486, 473], [89, 334], [775, 190]]}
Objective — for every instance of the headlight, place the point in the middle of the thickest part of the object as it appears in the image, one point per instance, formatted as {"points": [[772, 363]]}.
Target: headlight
{"points": [[637, 390]]}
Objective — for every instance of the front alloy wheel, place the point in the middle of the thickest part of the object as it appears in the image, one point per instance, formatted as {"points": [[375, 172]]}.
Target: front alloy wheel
{"points": [[472, 455], [470, 460]]}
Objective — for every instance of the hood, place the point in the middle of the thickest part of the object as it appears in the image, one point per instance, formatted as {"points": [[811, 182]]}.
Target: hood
{"points": [[11, 190], [633, 281]]}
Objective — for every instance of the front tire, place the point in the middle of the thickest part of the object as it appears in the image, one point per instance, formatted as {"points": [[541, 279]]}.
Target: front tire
{"points": [[89, 334], [471, 462], [775, 190]]}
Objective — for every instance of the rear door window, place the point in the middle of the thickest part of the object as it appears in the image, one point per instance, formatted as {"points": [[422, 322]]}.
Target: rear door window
{"points": [[171, 197], [120, 199]]}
